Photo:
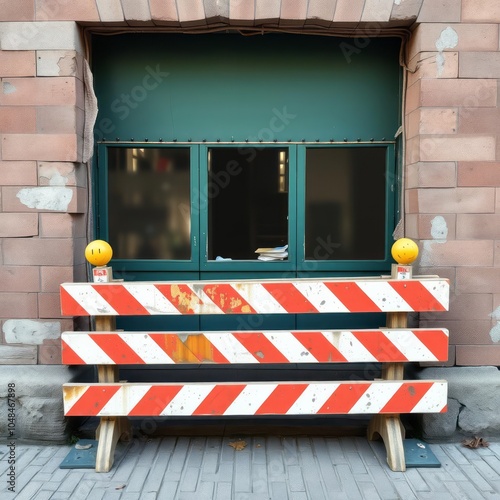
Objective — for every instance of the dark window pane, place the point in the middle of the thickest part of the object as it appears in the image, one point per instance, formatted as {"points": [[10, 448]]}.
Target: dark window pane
{"points": [[345, 203], [149, 203], [247, 201]]}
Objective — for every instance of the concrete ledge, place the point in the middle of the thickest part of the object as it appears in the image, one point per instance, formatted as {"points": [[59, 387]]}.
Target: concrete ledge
{"points": [[473, 403]]}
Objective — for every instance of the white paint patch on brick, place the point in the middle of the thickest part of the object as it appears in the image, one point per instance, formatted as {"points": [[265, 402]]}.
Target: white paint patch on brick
{"points": [[439, 233], [495, 331], [24, 331], [397, 2], [448, 39], [8, 88], [46, 197]]}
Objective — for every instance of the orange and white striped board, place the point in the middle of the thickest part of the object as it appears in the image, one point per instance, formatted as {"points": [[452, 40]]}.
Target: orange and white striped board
{"points": [[333, 346], [295, 296], [257, 398]]}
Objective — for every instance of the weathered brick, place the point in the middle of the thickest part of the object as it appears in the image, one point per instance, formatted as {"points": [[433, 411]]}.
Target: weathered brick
{"points": [[474, 280], [52, 276], [421, 226], [83, 10], [466, 93], [62, 225], [478, 120], [431, 174], [136, 10], [59, 63], [483, 11], [460, 253], [18, 225], [62, 173], [458, 148], [413, 97], [497, 200], [192, 12], [17, 120], [479, 65], [292, 11], [38, 252], [433, 65], [478, 174], [348, 11], [51, 35], [49, 353], [49, 305], [447, 11], [459, 200], [111, 10], [59, 120], [48, 147], [17, 11], [464, 331], [466, 306], [19, 278], [18, 355], [377, 10], [15, 305], [478, 226], [18, 173], [50, 91], [477, 355], [17, 63], [438, 121], [411, 201]]}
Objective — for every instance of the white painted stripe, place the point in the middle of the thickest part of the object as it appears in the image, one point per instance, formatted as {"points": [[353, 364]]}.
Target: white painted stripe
{"points": [[352, 349], [259, 298], [230, 347], [124, 400], [411, 347], [440, 289], [290, 347], [313, 398], [320, 296], [187, 399], [250, 399], [89, 299], [207, 306], [86, 348], [146, 348], [434, 400], [375, 397], [384, 296], [150, 298]]}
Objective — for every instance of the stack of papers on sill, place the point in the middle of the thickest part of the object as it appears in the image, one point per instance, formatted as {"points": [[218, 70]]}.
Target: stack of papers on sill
{"points": [[276, 253]]}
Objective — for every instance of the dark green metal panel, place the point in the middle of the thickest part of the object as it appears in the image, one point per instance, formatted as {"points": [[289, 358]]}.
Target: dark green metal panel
{"points": [[234, 87]]}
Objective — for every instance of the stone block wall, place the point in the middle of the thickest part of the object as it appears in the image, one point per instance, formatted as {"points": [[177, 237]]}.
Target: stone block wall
{"points": [[452, 163]]}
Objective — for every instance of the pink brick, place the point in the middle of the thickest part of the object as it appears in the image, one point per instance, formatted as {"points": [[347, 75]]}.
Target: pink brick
{"points": [[478, 174], [48, 147], [466, 93], [377, 11], [466, 306], [111, 10], [52, 276], [59, 120], [496, 257], [474, 280], [19, 279], [465, 331], [191, 12], [43, 198], [413, 97], [478, 120], [83, 10], [55, 173], [411, 201], [459, 200], [239, 12], [438, 121], [59, 225], [478, 355], [426, 65], [484, 11], [18, 225], [18, 173], [17, 11], [479, 65], [448, 273], [460, 253], [423, 224], [49, 353], [348, 11], [15, 305], [17, 63], [46, 91], [447, 11], [457, 148], [17, 120], [478, 226], [38, 252], [49, 305], [431, 174]]}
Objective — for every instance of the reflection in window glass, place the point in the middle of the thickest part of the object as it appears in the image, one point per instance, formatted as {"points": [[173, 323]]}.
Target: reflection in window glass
{"points": [[345, 203], [247, 201], [149, 203]]}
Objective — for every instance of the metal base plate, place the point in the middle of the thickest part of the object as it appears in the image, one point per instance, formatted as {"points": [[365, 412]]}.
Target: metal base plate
{"points": [[419, 454], [81, 459]]}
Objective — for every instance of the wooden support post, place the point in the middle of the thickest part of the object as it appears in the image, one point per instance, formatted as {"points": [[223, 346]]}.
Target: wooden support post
{"points": [[110, 429], [389, 427]]}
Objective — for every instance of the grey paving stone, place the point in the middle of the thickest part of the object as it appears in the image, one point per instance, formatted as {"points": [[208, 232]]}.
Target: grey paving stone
{"points": [[97, 494], [242, 479], [476, 478], [295, 479], [226, 472], [205, 491], [382, 483], [43, 495], [290, 451], [210, 463], [348, 481], [168, 490], [368, 490], [28, 491], [279, 491], [404, 490], [259, 451], [486, 470], [223, 491], [179, 455], [137, 478], [189, 480], [259, 478], [416, 480], [196, 452], [70, 482], [335, 451]]}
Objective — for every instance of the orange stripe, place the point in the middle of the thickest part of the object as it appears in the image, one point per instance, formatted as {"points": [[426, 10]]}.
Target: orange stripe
{"points": [[181, 297], [380, 346], [69, 306], [155, 400], [406, 397], [69, 356], [120, 299], [289, 297], [323, 350], [416, 295], [281, 399], [92, 401], [219, 399], [260, 347], [116, 348], [344, 398], [228, 299], [436, 341], [353, 298]]}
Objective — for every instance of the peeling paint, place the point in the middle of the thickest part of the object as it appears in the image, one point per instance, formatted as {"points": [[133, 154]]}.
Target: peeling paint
{"points": [[8, 88], [67, 65], [439, 234], [448, 39], [23, 331], [46, 197]]}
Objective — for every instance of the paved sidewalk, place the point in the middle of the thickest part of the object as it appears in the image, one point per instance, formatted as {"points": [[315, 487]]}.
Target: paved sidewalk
{"points": [[291, 467]]}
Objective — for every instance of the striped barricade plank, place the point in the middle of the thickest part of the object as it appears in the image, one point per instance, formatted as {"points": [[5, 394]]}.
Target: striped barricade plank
{"points": [[332, 346], [257, 398], [250, 297]]}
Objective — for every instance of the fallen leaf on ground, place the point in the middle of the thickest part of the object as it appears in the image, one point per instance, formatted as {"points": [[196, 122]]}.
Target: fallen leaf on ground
{"points": [[475, 442], [238, 445]]}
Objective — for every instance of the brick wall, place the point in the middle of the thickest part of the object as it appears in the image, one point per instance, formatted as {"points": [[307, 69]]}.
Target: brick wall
{"points": [[452, 202]]}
